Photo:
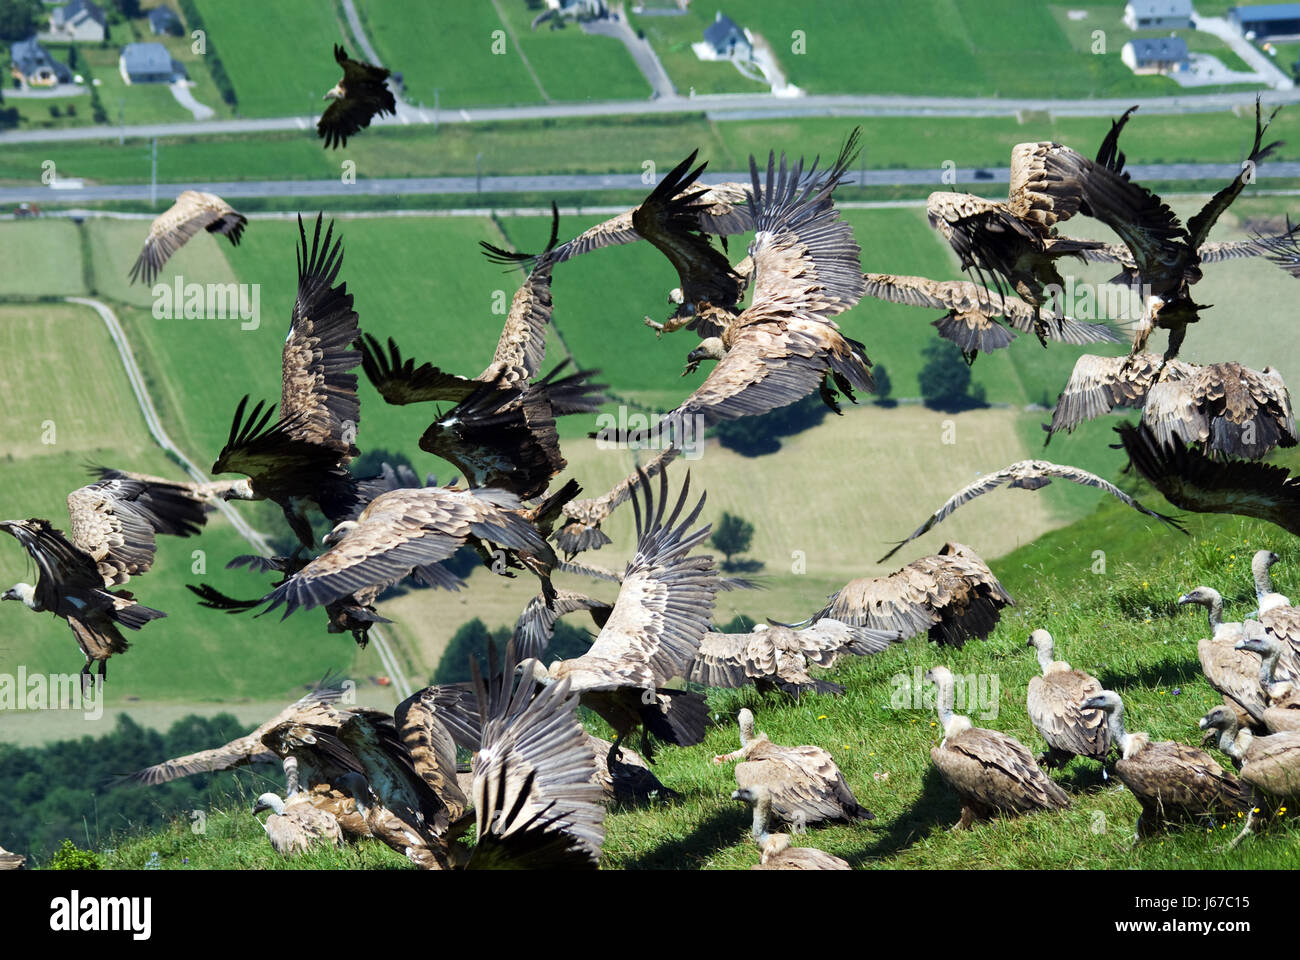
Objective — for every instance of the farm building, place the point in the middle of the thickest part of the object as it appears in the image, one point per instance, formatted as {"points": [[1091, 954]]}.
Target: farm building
{"points": [[1155, 55], [1270, 21], [724, 40], [32, 65], [1158, 14], [148, 63], [164, 20], [79, 20]]}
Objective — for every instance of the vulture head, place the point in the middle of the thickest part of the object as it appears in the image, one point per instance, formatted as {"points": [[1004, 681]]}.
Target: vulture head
{"points": [[710, 348], [676, 296], [1263, 644], [335, 93], [1262, 561], [1206, 597], [269, 801], [1112, 706], [239, 490], [340, 531], [1222, 723], [1042, 641], [22, 591], [534, 668]]}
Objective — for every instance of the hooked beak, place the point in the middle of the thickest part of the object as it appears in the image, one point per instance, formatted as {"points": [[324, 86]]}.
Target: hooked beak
{"points": [[335, 94], [11, 594], [1184, 600], [260, 807]]}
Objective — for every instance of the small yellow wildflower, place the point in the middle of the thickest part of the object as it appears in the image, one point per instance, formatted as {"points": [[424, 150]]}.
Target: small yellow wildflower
{"points": [[822, 717]]}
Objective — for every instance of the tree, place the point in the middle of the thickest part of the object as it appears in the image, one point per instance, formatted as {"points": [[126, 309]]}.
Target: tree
{"points": [[19, 19], [755, 436], [740, 623], [944, 377], [470, 640], [732, 535], [883, 386]]}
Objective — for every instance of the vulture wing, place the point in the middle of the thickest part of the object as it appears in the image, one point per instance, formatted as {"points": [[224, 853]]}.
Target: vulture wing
{"points": [[1199, 226], [521, 348], [193, 211], [1231, 408], [536, 625], [401, 381], [1098, 385], [365, 95]]}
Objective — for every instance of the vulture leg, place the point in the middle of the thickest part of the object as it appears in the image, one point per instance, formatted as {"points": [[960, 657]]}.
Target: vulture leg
{"points": [[1176, 336], [657, 327], [967, 819], [300, 525], [86, 681], [1250, 823], [1053, 758]]}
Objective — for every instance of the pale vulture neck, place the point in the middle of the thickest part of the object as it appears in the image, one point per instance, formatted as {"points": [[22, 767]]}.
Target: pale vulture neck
{"points": [[1118, 736], [746, 728], [1263, 581], [1215, 608], [1268, 664], [1045, 654], [762, 814], [274, 802], [291, 781], [27, 594]]}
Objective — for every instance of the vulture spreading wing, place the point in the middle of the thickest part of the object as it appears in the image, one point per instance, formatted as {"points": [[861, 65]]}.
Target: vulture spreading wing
{"points": [[953, 596], [1098, 385], [359, 96], [1226, 407], [581, 530], [193, 211], [1028, 475], [536, 625], [1191, 480]]}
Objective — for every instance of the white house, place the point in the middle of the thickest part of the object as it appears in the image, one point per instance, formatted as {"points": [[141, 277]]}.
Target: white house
{"points": [[1158, 14], [148, 63], [1155, 55], [78, 21], [724, 40]]}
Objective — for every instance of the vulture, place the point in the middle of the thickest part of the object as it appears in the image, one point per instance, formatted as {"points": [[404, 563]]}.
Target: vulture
{"points": [[1283, 711], [803, 783], [314, 707], [774, 656], [991, 773], [536, 625], [784, 345], [1225, 407], [360, 96], [1173, 782], [414, 528], [193, 211], [1276, 248], [1164, 250], [113, 524], [952, 595], [1193, 480], [300, 460], [582, 518], [653, 633], [1270, 765], [973, 313], [296, 825], [11, 861], [777, 854], [1028, 475], [1261, 565], [628, 778], [500, 430], [1283, 624], [1055, 705], [1230, 671], [1014, 240]]}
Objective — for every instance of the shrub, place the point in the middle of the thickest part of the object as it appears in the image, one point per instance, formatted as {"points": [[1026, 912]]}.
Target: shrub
{"points": [[69, 857]]}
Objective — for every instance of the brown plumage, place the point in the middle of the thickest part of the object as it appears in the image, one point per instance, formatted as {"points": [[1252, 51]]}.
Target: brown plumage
{"points": [[1274, 247], [784, 345], [1098, 385], [404, 529], [1270, 765], [299, 460], [536, 625], [1028, 475], [953, 596], [360, 96], [296, 825], [777, 657], [581, 529], [1231, 671], [991, 772], [1283, 623], [193, 211], [974, 312], [1192, 480], [11, 861], [1282, 695], [652, 635], [777, 853], [1014, 240], [628, 777], [1173, 782], [805, 785], [1055, 704]]}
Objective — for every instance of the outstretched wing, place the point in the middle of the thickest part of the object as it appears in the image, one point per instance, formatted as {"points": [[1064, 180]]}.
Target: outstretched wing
{"points": [[365, 95], [401, 381], [193, 211], [1199, 226], [1098, 385]]}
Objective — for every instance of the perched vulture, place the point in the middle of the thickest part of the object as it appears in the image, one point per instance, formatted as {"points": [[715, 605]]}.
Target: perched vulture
{"points": [[974, 311], [1173, 782], [1055, 704], [1261, 565], [296, 825], [991, 772], [1283, 696], [1028, 475], [1192, 480], [784, 345], [804, 784], [407, 529], [953, 596], [300, 460], [360, 96], [243, 750], [1270, 765], [777, 854], [1014, 240], [1164, 251], [192, 211], [653, 633], [777, 657]]}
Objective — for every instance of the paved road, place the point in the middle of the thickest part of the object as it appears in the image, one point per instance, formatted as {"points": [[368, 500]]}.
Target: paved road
{"points": [[181, 92], [584, 183], [718, 107], [160, 436], [1260, 62]]}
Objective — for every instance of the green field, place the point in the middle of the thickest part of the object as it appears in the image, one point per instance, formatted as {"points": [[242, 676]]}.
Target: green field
{"points": [[41, 257]]}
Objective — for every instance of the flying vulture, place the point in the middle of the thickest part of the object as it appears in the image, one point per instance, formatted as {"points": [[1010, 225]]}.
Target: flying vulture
{"points": [[991, 773], [974, 311], [952, 596], [1227, 408], [360, 96], [1028, 475], [192, 211], [1173, 782], [581, 529], [300, 460]]}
